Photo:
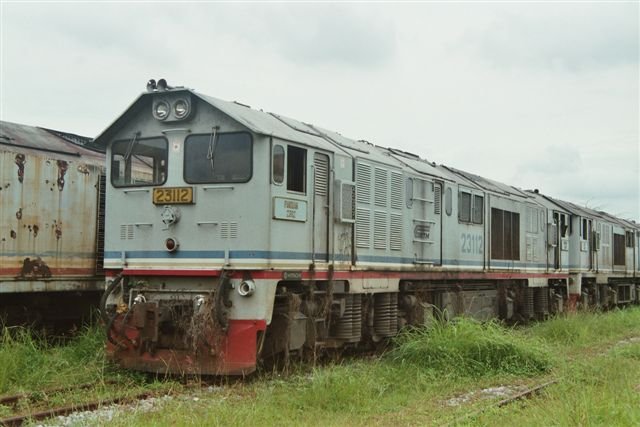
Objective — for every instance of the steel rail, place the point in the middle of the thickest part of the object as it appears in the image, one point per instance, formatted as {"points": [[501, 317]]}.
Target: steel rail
{"points": [[18, 420], [522, 395], [15, 398]]}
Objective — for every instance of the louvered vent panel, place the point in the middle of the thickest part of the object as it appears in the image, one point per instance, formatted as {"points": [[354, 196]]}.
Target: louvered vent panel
{"points": [[100, 225], [126, 232], [395, 232], [363, 228], [363, 183], [228, 230], [380, 230], [381, 192], [321, 163], [437, 199], [396, 190]]}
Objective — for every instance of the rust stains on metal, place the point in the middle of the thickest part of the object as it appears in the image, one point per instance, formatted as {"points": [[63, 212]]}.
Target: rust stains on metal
{"points": [[83, 169], [35, 230], [20, 161], [62, 171], [58, 229], [35, 268], [19, 214], [13, 234]]}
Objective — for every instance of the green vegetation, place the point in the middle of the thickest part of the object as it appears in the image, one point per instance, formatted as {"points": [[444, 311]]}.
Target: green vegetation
{"points": [[600, 374], [429, 377], [34, 365], [466, 347], [29, 363]]}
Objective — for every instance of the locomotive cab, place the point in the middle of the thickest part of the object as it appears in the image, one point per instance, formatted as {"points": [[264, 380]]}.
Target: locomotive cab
{"points": [[182, 205], [210, 206]]}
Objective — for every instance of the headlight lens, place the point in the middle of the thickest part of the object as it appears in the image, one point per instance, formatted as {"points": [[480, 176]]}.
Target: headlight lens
{"points": [[161, 110], [181, 108]]}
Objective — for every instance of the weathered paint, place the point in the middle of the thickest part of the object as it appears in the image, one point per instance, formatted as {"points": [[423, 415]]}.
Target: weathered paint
{"points": [[46, 234], [233, 352], [35, 285]]}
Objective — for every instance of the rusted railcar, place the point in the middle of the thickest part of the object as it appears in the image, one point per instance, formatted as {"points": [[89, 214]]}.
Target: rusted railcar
{"points": [[51, 225]]}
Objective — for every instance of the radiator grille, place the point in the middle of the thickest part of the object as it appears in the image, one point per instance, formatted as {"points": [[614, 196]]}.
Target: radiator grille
{"points": [[380, 230], [363, 183], [395, 232], [363, 228], [396, 190], [381, 190]]}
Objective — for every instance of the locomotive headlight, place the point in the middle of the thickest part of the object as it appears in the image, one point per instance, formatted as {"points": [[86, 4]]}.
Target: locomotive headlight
{"points": [[181, 108], [246, 288], [171, 244], [161, 110]]}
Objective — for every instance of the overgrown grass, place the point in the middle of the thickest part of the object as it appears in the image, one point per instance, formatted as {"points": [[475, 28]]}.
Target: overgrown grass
{"points": [[409, 385], [601, 390], [424, 368], [29, 362], [466, 347], [587, 328]]}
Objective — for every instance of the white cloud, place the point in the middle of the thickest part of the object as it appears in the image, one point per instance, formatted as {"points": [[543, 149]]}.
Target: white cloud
{"points": [[538, 95]]}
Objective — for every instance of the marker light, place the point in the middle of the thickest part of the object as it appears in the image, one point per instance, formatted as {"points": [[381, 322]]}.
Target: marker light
{"points": [[171, 244]]}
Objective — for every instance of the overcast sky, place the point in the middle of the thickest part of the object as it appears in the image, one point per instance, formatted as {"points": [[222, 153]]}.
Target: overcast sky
{"points": [[537, 95]]}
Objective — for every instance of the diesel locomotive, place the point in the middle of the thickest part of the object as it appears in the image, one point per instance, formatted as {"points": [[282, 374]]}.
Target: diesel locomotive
{"points": [[247, 235]]}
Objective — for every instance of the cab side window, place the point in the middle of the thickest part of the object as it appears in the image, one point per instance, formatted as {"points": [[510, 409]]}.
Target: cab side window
{"points": [[278, 164], [296, 169]]}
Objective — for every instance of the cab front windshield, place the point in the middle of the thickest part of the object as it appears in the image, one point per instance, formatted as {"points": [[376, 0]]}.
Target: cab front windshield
{"points": [[139, 162], [217, 158]]}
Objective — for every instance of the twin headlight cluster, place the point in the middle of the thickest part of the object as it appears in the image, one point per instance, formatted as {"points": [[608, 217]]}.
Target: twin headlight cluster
{"points": [[169, 107], [172, 109]]}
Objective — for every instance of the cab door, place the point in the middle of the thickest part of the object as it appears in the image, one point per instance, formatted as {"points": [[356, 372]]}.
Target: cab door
{"points": [[427, 222]]}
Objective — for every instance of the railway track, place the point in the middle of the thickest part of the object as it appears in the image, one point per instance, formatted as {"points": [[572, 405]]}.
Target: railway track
{"points": [[19, 418], [531, 391]]}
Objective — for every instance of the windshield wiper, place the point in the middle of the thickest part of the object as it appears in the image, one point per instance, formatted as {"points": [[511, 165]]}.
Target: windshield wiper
{"points": [[212, 145], [133, 142]]}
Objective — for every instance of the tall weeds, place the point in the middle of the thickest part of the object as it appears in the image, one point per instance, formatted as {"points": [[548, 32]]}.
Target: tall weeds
{"points": [[29, 362], [466, 347], [587, 328]]}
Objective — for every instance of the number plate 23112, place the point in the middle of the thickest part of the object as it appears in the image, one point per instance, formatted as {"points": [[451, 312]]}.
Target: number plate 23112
{"points": [[172, 195]]}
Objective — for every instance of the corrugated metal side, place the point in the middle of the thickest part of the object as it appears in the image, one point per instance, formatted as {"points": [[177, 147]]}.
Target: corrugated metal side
{"points": [[48, 217]]}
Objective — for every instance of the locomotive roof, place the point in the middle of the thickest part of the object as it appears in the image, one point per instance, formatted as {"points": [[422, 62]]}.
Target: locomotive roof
{"points": [[38, 141], [286, 128], [289, 129], [576, 209], [489, 184], [546, 202]]}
